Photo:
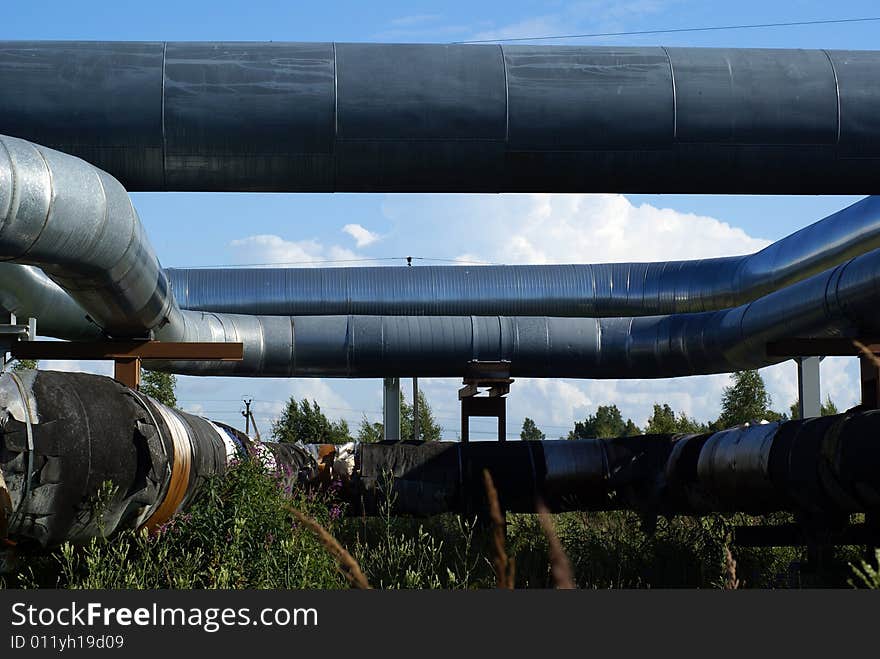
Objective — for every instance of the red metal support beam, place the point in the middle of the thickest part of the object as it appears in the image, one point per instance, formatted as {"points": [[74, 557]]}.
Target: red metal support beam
{"points": [[127, 355], [127, 350]]}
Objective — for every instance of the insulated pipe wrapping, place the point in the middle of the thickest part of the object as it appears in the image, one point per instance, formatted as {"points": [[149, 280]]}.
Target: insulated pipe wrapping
{"points": [[77, 223], [837, 302], [824, 467], [834, 302], [324, 117], [591, 290], [87, 430]]}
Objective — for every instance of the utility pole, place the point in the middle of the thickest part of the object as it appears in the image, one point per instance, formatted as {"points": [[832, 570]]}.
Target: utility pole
{"points": [[246, 413], [249, 419]]}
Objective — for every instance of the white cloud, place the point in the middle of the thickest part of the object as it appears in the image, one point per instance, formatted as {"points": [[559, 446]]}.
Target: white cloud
{"points": [[269, 249], [74, 366], [546, 228], [362, 236], [576, 17]]}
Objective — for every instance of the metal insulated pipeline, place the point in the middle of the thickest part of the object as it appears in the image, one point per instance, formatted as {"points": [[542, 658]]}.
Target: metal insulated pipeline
{"points": [[431, 117], [77, 223], [64, 434], [840, 301], [592, 290]]}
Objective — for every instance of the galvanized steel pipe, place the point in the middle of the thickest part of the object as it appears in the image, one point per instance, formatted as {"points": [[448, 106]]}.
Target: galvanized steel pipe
{"points": [[579, 290], [77, 224]]}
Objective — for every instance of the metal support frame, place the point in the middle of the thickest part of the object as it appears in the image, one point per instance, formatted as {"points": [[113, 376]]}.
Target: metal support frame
{"points": [[807, 353], [13, 332], [416, 429], [127, 355], [809, 393], [391, 408], [866, 349], [496, 377]]}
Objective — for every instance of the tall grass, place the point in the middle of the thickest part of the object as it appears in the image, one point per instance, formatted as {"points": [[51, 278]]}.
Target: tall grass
{"points": [[243, 533]]}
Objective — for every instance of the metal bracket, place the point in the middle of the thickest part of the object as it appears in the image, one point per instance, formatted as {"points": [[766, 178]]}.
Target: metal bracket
{"points": [[13, 332], [127, 355], [494, 376]]}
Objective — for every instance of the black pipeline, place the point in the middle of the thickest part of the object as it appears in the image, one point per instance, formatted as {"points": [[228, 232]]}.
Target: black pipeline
{"points": [[368, 117], [63, 435]]}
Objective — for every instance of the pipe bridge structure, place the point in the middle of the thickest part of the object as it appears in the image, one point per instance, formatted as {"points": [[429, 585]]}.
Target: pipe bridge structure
{"points": [[82, 124]]}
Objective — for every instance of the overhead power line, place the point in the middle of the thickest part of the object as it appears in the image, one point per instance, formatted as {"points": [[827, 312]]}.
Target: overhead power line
{"points": [[404, 259], [714, 28]]}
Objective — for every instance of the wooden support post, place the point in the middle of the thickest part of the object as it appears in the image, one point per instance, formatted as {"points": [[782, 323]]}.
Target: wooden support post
{"points": [[128, 372], [870, 378]]}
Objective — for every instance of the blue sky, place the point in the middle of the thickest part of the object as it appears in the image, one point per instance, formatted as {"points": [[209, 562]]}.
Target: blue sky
{"points": [[213, 229]]}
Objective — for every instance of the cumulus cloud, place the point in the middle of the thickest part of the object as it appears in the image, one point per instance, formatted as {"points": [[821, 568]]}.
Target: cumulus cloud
{"points": [[269, 249], [546, 228], [362, 236]]}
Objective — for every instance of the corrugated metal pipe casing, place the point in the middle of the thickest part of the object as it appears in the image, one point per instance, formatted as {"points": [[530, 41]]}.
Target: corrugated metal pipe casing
{"points": [[594, 290], [77, 223], [839, 300], [444, 117]]}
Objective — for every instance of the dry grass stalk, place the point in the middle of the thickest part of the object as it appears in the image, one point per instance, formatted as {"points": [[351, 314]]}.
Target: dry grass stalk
{"points": [[350, 567], [730, 580], [560, 566], [504, 567], [867, 353]]}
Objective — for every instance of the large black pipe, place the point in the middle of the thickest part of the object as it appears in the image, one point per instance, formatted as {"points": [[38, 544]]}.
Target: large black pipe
{"points": [[62, 435], [430, 117]]}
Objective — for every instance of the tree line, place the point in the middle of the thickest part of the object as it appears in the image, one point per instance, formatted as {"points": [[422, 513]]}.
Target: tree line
{"points": [[745, 400]]}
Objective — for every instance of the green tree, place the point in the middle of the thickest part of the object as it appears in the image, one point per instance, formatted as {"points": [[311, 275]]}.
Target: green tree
{"points": [[607, 422], [304, 421], [370, 432], [429, 429], [160, 386], [827, 409], [744, 401], [25, 365], [664, 421], [530, 431]]}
